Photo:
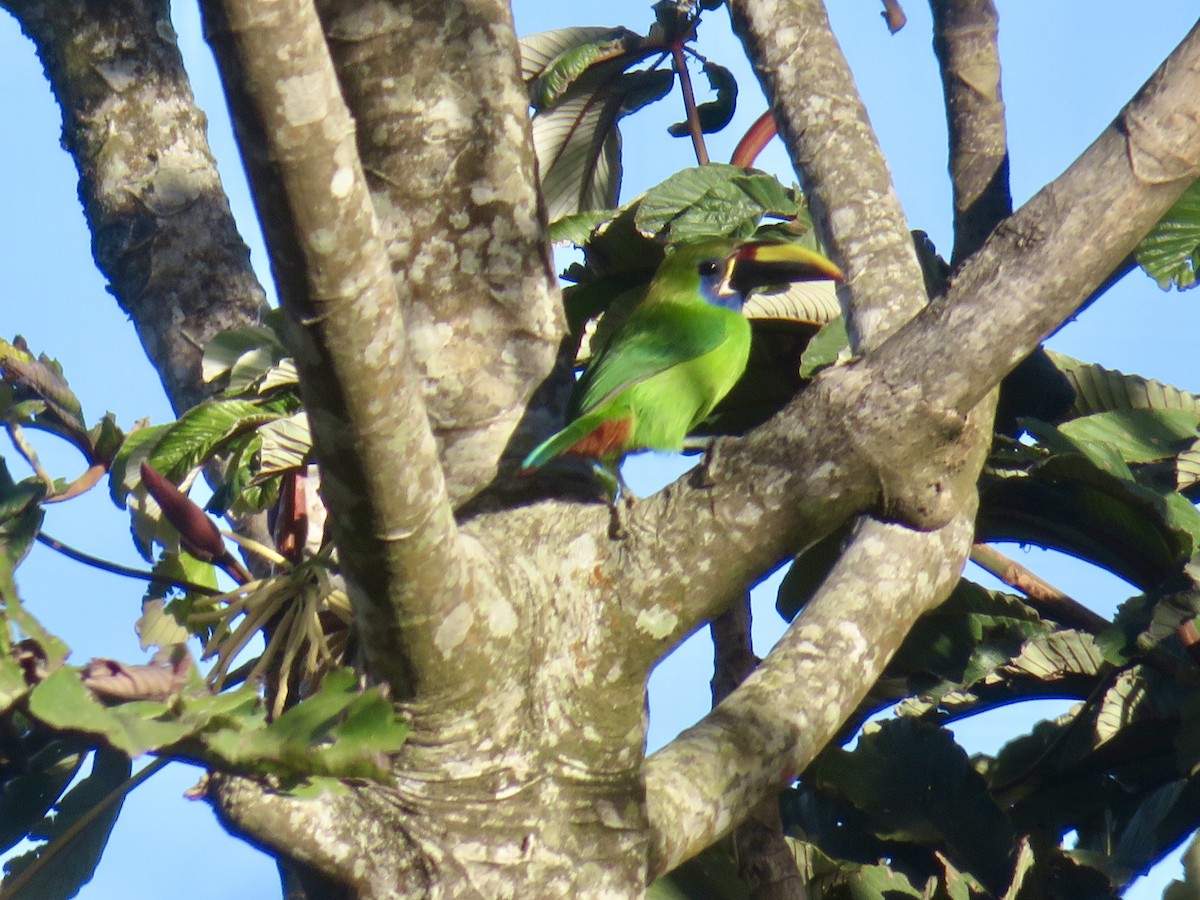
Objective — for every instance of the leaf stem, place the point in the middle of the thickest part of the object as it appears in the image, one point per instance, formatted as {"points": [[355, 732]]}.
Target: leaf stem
{"points": [[117, 569], [689, 103]]}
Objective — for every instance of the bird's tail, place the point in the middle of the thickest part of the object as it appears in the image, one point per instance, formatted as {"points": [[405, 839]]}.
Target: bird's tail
{"points": [[556, 445]]}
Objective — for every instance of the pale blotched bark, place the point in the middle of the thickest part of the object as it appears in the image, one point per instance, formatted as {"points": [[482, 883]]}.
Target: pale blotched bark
{"points": [[410, 253]]}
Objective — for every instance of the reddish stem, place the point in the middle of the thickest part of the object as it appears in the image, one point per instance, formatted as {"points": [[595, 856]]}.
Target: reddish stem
{"points": [[756, 137]]}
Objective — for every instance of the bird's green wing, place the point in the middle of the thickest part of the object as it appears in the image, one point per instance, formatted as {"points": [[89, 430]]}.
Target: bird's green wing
{"points": [[652, 340]]}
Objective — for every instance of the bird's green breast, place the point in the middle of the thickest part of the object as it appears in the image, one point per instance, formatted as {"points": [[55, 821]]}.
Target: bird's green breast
{"points": [[668, 406]]}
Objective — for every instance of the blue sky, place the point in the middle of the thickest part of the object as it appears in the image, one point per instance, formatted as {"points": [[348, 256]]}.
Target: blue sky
{"points": [[1068, 67]]}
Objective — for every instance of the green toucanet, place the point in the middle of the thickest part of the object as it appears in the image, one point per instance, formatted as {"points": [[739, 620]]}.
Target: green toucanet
{"points": [[677, 354]]}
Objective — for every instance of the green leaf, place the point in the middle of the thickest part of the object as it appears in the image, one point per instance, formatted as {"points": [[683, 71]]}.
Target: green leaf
{"points": [[716, 200], [824, 349], [1052, 656], [236, 347], [916, 781], [204, 428], [539, 51], [21, 515], [1170, 253], [1138, 435], [123, 474], [286, 445], [561, 73], [63, 702], [158, 628]]}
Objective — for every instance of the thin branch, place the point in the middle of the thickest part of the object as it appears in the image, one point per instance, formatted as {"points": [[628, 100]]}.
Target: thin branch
{"points": [[964, 39], [689, 102], [770, 728], [1048, 599], [389, 509], [127, 571]]}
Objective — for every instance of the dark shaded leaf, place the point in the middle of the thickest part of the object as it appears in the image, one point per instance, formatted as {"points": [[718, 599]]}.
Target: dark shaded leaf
{"points": [[74, 866], [715, 114]]}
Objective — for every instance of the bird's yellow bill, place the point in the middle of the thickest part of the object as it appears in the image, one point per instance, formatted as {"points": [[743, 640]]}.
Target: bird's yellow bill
{"points": [[763, 263]]}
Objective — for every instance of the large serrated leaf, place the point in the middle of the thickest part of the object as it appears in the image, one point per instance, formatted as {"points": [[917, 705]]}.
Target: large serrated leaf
{"points": [[713, 200], [1170, 253], [1098, 389], [1062, 653], [202, 429]]}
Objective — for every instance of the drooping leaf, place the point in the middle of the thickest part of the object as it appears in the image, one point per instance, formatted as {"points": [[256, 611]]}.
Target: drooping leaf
{"points": [[27, 796], [825, 349], [717, 113], [1170, 253], [1099, 390], [577, 141]]}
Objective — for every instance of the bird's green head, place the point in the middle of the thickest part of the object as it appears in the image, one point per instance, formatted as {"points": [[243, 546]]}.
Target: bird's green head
{"points": [[723, 272]]}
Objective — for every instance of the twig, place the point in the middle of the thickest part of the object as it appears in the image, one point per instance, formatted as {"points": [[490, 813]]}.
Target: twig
{"points": [[757, 136], [689, 102], [1043, 596], [117, 569]]}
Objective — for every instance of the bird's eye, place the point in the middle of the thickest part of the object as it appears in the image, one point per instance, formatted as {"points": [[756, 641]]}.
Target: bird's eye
{"points": [[708, 268]]}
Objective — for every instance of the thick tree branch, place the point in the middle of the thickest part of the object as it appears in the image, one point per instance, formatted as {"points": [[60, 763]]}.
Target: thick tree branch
{"points": [[752, 744], [865, 431], [1047, 258], [821, 118], [444, 137], [381, 478], [162, 232], [964, 39]]}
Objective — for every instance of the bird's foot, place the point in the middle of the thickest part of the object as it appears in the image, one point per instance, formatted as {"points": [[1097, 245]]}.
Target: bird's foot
{"points": [[703, 473]]}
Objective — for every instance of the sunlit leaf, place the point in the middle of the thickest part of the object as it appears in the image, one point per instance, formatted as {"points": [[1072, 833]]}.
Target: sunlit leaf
{"points": [[1170, 253]]}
